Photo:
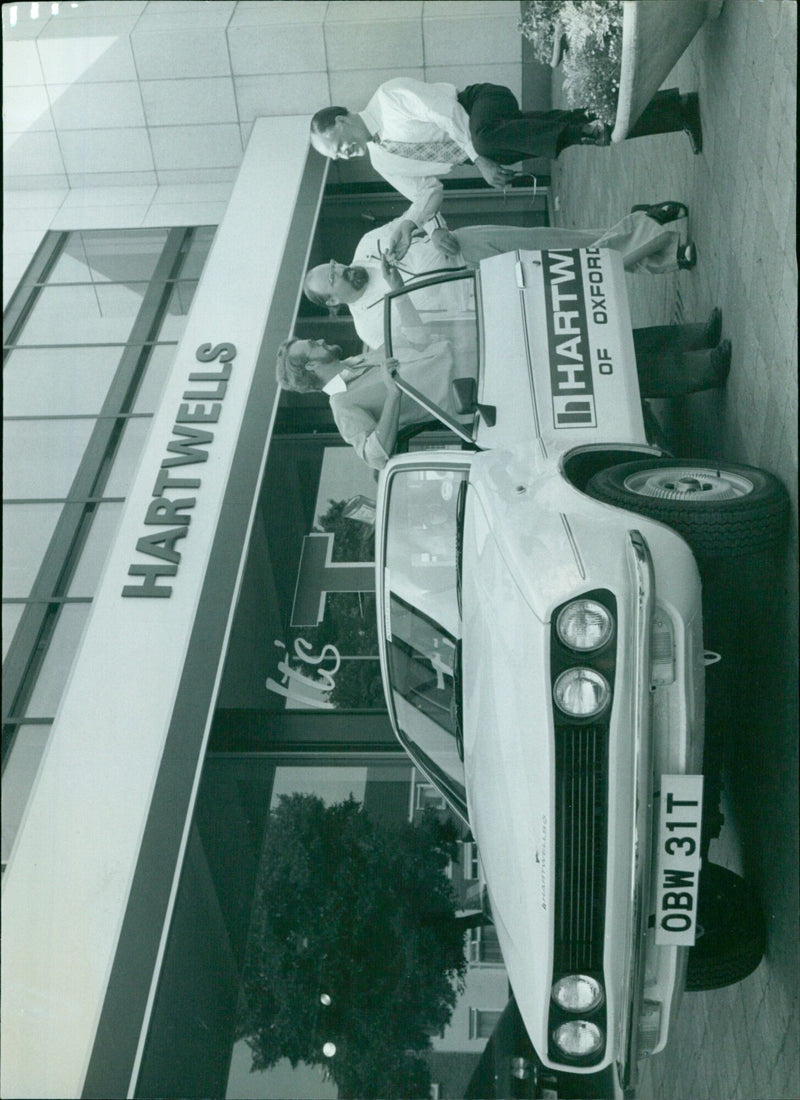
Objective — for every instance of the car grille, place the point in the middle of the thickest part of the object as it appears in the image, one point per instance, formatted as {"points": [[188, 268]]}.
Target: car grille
{"points": [[581, 843]]}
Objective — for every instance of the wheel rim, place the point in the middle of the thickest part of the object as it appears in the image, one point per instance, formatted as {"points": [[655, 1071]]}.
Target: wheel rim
{"points": [[699, 484]]}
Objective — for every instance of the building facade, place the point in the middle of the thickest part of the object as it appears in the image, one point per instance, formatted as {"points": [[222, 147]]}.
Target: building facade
{"points": [[161, 688]]}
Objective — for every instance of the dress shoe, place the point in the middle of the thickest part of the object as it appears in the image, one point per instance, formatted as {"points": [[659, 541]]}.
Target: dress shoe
{"points": [[663, 212], [690, 113], [687, 256], [721, 362], [712, 333]]}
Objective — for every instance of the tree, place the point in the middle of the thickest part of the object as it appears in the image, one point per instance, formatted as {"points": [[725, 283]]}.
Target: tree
{"points": [[363, 912]]}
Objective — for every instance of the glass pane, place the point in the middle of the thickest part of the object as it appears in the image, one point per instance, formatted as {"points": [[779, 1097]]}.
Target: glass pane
{"points": [[41, 457], [95, 550], [434, 335], [100, 313], [127, 457], [12, 613], [197, 252], [27, 530], [18, 776], [58, 661], [58, 381], [161, 359], [109, 255], [179, 301]]}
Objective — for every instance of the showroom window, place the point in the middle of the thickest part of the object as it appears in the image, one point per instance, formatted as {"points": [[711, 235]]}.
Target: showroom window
{"points": [[89, 338], [482, 1023]]}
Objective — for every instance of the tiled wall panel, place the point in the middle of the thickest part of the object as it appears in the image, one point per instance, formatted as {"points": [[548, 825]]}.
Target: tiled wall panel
{"points": [[96, 106], [287, 94], [379, 45], [276, 48], [122, 150], [26, 108], [35, 152], [176, 54], [85, 57], [482, 39], [203, 100]]}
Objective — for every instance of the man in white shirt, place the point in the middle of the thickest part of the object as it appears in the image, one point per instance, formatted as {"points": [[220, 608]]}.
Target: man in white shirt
{"points": [[646, 244], [414, 132], [366, 402]]}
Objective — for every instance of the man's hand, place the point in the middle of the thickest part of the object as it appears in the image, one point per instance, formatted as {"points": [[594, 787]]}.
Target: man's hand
{"points": [[388, 371], [400, 240], [496, 175], [391, 275], [445, 242]]}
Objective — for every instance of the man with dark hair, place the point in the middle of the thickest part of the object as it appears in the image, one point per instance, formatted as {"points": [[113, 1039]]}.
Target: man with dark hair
{"points": [[414, 132]]}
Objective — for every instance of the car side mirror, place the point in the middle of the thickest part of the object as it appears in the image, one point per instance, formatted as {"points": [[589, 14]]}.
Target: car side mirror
{"points": [[464, 392]]}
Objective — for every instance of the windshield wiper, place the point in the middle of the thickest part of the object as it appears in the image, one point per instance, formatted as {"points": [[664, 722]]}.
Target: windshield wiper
{"points": [[456, 703], [461, 502]]}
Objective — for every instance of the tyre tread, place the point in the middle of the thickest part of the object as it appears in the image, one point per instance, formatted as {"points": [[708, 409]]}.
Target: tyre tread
{"points": [[728, 529], [739, 947]]}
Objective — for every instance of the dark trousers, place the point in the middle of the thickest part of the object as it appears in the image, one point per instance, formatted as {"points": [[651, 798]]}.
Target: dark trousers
{"points": [[500, 131], [674, 360]]}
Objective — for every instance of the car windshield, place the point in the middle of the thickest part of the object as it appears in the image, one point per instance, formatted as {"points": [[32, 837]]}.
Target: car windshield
{"points": [[422, 620], [439, 316]]}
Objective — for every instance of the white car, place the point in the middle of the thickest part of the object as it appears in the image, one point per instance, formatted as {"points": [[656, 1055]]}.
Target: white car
{"points": [[542, 653]]}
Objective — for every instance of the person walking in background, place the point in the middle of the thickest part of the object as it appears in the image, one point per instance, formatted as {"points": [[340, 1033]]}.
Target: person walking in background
{"points": [[414, 132]]}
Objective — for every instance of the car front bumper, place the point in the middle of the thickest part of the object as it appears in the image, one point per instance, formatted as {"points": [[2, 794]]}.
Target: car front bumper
{"points": [[667, 737]]}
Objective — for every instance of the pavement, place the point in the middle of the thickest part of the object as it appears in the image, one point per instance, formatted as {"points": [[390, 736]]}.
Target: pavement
{"points": [[742, 1042]]}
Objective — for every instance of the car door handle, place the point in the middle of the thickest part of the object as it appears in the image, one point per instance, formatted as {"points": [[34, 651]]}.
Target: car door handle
{"points": [[519, 272]]}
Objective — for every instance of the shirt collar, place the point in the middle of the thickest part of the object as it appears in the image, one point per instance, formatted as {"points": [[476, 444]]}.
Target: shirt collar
{"points": [[337, 384], [371, 119], [351, 368]]}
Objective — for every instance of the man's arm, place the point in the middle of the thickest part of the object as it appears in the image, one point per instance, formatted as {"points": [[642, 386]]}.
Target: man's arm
{"points": [[372, 440], [389, 423], [425, 193]]}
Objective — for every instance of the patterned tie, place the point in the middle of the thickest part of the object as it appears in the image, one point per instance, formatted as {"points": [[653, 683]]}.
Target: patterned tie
{"points": [[445, 151]]}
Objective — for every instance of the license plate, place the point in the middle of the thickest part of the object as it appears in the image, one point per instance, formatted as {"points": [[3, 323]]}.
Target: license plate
{"points": [[678, 867]]}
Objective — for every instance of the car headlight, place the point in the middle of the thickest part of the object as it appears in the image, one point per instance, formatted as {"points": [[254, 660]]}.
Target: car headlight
{"points": [[578, 1038], [581, 692], [584, 625], [577, 993]]}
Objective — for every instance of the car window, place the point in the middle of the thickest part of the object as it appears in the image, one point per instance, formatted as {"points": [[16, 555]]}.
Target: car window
{"points": [[422, 620], [439, 316]]}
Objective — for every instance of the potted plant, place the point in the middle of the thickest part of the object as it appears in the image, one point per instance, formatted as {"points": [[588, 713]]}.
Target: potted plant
{"points": [[614, 54]]}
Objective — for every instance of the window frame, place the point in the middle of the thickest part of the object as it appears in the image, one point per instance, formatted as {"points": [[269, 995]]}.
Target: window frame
{"points": [[31, 639]]}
